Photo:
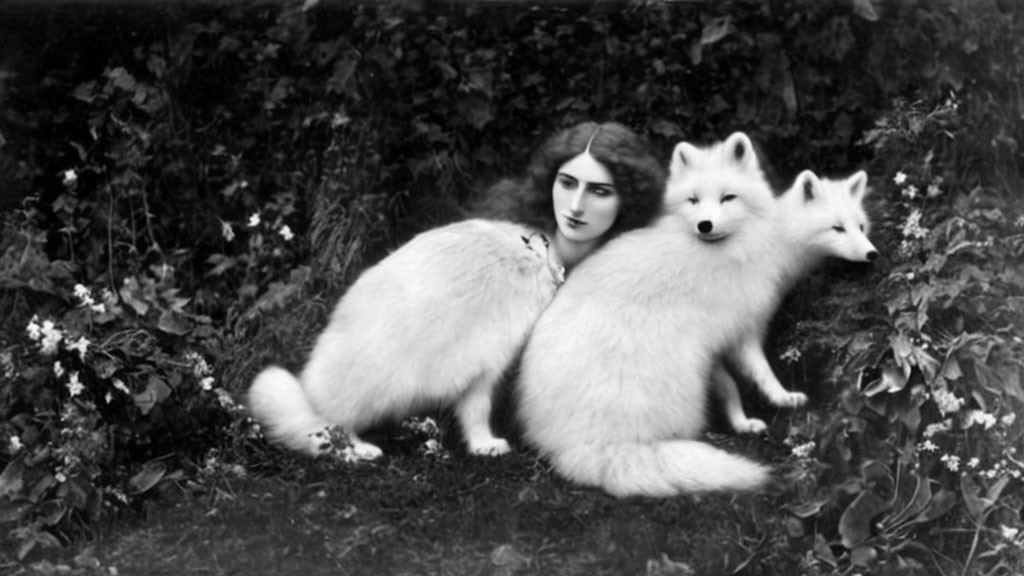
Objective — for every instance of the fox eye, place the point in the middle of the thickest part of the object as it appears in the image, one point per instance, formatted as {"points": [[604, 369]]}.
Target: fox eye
{"points": [[861, 227], [839, 228], [692, 200], [728, 198]]}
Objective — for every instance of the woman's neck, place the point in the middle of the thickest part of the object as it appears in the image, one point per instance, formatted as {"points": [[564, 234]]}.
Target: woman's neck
{"points": [[571, 253]]}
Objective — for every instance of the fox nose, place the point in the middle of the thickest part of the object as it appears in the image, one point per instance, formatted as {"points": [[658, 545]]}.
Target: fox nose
{"points": [[705, 226], [872, 255]]}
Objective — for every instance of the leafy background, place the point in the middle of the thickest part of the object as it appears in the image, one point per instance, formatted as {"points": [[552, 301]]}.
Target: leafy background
{"points": [[187, 187]]}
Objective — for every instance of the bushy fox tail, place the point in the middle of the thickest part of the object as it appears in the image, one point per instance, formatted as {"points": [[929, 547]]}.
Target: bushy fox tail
{"points": [[278, 403], [660, 469]]}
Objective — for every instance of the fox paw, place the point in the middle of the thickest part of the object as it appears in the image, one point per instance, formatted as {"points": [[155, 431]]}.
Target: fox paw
{"points": [[366, 451], [789, 400], [750, 426], [489, 447]]}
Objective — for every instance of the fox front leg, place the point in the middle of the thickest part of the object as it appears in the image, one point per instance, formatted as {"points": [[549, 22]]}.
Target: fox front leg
{"points": [[751, 362], [725, 389]]}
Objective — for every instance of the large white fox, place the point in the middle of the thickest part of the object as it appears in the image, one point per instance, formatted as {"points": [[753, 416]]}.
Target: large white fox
{"points": [[614, 377], [435, 323], [832, 224]]}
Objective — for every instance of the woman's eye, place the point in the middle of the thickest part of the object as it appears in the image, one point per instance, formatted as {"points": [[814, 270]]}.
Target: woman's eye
{"points": [[839, 228], [567, 183], [600, 191], [728, 198]]}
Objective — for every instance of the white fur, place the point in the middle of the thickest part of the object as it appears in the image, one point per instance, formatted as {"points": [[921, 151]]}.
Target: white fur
{"points": [[819, 219], [614, 376], [434, 323]]}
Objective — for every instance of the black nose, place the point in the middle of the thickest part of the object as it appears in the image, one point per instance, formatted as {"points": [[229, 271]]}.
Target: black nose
{"points": [[872, 255], [704, 226]]}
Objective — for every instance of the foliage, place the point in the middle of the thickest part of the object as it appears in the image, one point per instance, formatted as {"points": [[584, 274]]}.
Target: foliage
{"points": [[184, 202]]}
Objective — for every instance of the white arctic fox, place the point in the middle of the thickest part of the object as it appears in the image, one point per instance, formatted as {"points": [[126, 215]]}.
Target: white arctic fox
{"points": [[614, 377], [830, 222], [434, 323]]}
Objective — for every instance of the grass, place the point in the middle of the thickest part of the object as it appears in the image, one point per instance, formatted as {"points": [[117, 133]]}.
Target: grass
{"points": [[416, 514]]}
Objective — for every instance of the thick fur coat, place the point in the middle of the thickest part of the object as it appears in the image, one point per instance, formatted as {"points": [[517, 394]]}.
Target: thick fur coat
{"points": [[435, 323], [615, 375]]}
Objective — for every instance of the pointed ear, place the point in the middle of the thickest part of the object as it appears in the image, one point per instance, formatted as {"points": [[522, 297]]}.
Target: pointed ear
{"points": [[807, 185], [858, 184], [741, 151], [684, 157]]}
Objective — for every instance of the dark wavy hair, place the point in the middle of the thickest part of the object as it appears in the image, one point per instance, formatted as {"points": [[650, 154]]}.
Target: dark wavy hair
{"points": [[639, 177]]}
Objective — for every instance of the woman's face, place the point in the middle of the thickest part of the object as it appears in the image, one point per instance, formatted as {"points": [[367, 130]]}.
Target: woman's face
{"points": [[585, 199]]}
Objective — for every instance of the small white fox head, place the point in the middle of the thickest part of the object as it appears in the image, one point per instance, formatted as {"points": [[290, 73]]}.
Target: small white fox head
{"points": [[718, 190], [828, 216]]}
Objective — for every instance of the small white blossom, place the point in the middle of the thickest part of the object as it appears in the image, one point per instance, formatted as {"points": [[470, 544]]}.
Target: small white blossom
{"points": [[58, 369], [947, 402], [899, 178], [952, 462], [286, 233], [227, 231], [912, 227], [938, 427], [84, 295], [34, 330], [206, 383], [81, 346], [119, 385], [928, 446], [973, 463], [979, 417], [1008, 419], [910, 192], [51, 337], [791, 355], [69, 177], [75, 387], [14, 445], [934, 191], [60, 477], [1008, 532], [108, 397], [254, 220], [803, 450]]}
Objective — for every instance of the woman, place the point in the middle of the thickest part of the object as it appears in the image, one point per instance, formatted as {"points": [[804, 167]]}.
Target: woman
{"points": [[439, 320]]}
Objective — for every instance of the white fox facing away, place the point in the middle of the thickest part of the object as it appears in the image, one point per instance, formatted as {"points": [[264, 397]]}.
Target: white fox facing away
{"points": [[615, 375], [434, 323]]}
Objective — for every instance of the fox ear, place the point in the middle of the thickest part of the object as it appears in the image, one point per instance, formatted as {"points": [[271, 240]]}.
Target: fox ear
{"points": [[741, 150], [684, 157], [807, 185], [858, 185]]}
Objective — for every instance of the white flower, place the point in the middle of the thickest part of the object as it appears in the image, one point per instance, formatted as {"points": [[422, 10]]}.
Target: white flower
{"points": [[938, 427], [1008, 532], [910, 192], [99, 308], [973, 463], [934, 191], [947, 402], [74, 386], [254, 220], [52, 337], [792, 354], [979, 417], [108, 397], [928, 446], [206, 383], [286, 233], [70, 177], [84, 295], [899, 178], [34, 330], [14, 445], [1009, 419], [952, 462], [81, 346], [119, 385], [227, 231], [803, 450], [58, 369], [60, 477]]}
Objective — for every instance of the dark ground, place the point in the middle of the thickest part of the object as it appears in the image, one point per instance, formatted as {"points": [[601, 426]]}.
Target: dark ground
{"points": [[420, 515]]}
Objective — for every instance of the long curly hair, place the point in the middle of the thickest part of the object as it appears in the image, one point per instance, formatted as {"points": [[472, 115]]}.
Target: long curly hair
{"points": [[639, 177]]}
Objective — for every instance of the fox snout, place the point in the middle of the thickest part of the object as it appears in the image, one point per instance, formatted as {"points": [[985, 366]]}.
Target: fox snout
{"points": [[705, 226]]}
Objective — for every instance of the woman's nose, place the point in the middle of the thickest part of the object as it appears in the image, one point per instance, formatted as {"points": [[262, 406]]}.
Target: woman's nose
{"points": [[578, 202]]}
